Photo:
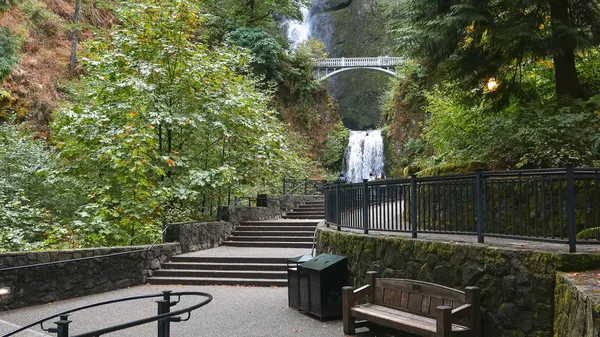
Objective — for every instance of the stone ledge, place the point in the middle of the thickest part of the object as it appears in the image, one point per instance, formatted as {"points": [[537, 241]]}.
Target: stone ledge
{"points": [[43, 284], [577, 304]]}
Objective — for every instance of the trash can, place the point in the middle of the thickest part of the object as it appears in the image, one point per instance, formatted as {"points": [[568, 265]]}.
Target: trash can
{"points": [[294, 280], [262, 200], [321, 280]]}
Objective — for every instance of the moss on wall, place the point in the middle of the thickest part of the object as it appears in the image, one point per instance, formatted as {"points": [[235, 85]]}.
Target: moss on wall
{"points": [[517, 286]]}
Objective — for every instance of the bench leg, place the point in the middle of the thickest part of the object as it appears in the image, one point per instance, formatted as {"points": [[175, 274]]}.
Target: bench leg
{"points": [[444, 321], [347, 303]]}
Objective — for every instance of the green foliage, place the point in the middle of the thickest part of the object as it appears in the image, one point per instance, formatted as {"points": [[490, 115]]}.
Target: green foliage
{"points": [[9, 46], [468, 41], [5, 4], [590, 233], [547, 134], [335, 147], [36, 199], [264, 48], [162, 126], [298, 66], [41, 18]]}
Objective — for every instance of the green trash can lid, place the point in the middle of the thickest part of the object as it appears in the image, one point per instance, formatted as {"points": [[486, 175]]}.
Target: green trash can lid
{"points": [[300, 259], [322, 261]]}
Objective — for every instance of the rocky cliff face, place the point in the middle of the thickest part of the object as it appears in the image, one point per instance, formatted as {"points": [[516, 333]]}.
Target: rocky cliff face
{"points": [[354, 28]]}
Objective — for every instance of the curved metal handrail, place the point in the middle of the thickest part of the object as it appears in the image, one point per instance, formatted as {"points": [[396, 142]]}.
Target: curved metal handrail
{"points": [[165, 294]]}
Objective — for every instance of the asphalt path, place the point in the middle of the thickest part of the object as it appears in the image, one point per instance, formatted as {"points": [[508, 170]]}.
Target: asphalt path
{"points": [[234, 311]]}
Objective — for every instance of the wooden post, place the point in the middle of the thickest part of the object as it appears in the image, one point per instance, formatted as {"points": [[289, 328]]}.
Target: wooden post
{"points": [[473, 297], [347, 303], [371, 277], [444, 321]]}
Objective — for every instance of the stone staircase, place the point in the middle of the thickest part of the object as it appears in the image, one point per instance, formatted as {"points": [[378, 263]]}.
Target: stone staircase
{"points": [[209, 270], [309, 210], [272, 236]]}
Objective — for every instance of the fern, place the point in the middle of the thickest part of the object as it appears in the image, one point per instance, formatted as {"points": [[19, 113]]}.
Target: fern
{"points": [[5, 4], [590, 233], [8, 52]]}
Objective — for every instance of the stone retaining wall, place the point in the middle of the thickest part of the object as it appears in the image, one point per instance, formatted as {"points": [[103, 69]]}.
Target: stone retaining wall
{"points": [[38, 285], [577, 304], [196, 236], [286, 203], [517, 285]]}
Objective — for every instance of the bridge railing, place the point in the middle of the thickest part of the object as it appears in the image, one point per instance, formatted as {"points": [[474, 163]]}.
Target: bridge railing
{"points": [[545, 205], [382, 61]]}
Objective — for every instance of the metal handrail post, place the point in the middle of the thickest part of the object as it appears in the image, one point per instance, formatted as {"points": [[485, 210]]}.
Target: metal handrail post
{"points": [[571, 208], [366, 206], [413, 205], [480, 205], [62, 327], [338, 216]]}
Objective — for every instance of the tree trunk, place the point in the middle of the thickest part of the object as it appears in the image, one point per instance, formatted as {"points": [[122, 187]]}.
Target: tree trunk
{"points": [[565, 72], [75, 40]]}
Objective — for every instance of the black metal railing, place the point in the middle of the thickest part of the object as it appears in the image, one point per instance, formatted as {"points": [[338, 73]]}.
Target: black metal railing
{"points": [[164, 317], [303, 186], [551, 205]]}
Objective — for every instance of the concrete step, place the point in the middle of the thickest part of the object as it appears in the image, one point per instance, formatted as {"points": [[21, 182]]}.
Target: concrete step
{"points": [[225, 266], [243, 274], [307, 233], [288, 223], [272, 238], [219, 281], [289, 216], [267, 244], [229, 259], [300, 213], [275, 228], [309, 209]]}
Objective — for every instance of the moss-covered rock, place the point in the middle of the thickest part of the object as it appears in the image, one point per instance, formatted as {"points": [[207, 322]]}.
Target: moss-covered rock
{"points": [[450, 169]]}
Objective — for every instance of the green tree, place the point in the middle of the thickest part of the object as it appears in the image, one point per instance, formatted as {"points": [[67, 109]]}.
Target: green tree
{"points": [[163, 125], [472, 41], [9, 46]]}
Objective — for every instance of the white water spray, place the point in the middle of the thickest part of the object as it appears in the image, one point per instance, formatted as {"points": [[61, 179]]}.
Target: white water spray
{"points": [[298, 32], [364, 155]]}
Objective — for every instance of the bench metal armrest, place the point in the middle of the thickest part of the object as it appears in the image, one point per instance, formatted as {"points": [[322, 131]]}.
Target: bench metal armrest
{"points": [[361, 295], [464, 311]]}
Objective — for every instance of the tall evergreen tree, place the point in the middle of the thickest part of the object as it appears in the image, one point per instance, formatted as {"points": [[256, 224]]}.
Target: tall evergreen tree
{"points": [[473, 40]]}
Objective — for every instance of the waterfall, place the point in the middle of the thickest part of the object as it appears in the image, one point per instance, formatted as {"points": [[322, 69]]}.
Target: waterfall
{"points": [[296, 31], [363, 156]]}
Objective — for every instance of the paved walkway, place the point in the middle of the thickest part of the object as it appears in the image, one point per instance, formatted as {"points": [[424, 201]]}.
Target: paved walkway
{"points": [[234, 311]]}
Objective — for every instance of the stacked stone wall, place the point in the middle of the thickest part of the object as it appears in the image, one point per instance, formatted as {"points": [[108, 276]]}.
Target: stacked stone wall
{"points": [[517, 285], [196, 236], [43, 284], [577, 304]]}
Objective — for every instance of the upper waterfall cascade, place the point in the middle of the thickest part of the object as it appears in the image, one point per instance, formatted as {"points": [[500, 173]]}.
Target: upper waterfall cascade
{"points": [[298, 31], [364, 156]]}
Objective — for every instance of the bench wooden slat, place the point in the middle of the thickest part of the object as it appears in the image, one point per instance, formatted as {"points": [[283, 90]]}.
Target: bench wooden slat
{"points": [[426, 305], [400, 320], [414, 302], [414, 286]]}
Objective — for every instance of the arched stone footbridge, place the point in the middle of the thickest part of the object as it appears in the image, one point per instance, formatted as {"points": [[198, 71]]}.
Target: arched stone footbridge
{"points": [[323, 69]]}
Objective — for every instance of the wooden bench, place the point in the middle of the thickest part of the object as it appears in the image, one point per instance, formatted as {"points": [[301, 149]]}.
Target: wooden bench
{"points": [[419, 308]]}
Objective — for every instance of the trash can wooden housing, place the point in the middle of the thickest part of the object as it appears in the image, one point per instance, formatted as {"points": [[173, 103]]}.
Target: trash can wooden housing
{"points": [[321, 281]]}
